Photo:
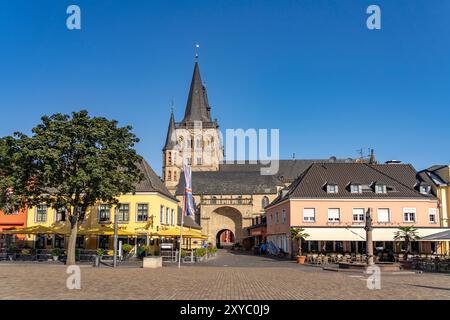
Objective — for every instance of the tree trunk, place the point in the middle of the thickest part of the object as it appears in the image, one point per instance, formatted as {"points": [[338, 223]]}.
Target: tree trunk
{"points": [[72, 243]]}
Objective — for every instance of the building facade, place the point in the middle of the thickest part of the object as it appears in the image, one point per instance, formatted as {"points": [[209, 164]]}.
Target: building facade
{"points": [[11, 220], [149, 210], [330, 201], [227, 195]]}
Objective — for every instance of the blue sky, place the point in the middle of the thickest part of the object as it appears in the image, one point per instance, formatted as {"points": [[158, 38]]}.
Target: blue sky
{"points": [[310, 68]]}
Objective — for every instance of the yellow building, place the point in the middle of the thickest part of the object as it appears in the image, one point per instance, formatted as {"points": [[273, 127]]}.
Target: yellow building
{"points": [[438, 178], [143, 219]]}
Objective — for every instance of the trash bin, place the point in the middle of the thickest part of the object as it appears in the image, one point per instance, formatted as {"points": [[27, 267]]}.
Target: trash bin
{"points": [[96, 261]]}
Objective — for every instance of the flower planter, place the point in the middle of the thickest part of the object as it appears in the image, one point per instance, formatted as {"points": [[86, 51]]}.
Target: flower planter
{"points": [[301, 259], [406, 265], [55, 258], [152, 262]]}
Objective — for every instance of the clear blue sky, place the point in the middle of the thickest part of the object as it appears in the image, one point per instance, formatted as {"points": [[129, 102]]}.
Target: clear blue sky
{"points": [[310, 68]]}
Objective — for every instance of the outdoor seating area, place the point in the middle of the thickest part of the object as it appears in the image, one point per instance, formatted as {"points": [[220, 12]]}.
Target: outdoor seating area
{"points": [[424, 262]]}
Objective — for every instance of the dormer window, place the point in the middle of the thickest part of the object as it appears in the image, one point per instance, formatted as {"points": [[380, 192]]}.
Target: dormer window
{"points": [[380, 188], [425, 189], [355, 188], [332, 188]]}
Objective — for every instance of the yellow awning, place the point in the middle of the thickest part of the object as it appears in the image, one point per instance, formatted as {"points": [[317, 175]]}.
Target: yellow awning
{"points": [[30, 230], [104, 231]]}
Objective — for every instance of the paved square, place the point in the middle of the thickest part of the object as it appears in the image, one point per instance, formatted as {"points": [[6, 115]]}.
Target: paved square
{"points": [[229, 276]]}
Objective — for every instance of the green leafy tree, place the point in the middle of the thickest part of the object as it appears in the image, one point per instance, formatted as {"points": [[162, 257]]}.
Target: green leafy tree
{"points": [[298, 234], [71, 162], [408, 235]]}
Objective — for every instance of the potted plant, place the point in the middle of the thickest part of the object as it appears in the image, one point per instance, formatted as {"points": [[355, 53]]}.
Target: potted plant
{"points": [[101, 253], [56, 252], [126, 248], [298, 234], [406, 234]]}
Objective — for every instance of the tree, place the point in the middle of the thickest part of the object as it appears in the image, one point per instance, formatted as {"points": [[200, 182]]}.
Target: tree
{"points": [[406, 234], [298, 234], [69, 162]]}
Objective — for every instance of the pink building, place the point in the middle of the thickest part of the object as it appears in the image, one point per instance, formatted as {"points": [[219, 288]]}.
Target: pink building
{"points": [[329, 200]]}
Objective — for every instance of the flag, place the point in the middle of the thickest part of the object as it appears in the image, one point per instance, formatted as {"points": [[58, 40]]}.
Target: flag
{"points": [[188, 200]]}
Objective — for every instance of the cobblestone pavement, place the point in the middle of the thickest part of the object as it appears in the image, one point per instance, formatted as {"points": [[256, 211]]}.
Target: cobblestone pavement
{"points": [[229, 276]]}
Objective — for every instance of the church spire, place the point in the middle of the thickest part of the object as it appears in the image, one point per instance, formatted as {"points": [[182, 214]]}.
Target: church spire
{"points": [[171, 138], [197, 107]]}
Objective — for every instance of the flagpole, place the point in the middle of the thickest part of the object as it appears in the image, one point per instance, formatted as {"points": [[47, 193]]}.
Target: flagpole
{"points": [[181, 230]]}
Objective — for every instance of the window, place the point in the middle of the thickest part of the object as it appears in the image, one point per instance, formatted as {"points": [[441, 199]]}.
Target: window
{"points": [[103, 242], [432, 212], [264, 202], [333, 215], [175, 178], [172, 215], [409, 214], [198, 143], [358, 215], [199, 160], [270, 218], [309, 215], [332, 188], [276, 217], [161, 214], [142, 212], [123, 212], [167, 215], [169, 176], [380, 188], [384, 215], [104, 213], [60, 215], [283, 216], [169, 157], [41, 213], [424, 189], [355, 188]]}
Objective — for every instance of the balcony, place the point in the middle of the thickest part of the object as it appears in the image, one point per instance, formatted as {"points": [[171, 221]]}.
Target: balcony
{"points": [[221, 201]]}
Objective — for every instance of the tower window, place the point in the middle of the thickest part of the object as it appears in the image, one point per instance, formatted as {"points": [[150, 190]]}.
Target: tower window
{"points": [[198, 143], [169, 176]]}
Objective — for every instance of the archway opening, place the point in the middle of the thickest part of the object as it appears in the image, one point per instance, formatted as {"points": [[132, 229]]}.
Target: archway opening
{"points": [[225, 238]]}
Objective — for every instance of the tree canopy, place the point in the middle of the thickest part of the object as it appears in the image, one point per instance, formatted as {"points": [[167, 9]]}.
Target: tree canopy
{"points": [[69, 161]]}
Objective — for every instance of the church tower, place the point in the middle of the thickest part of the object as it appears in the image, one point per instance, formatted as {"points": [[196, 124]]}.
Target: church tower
{"points": [[196, 140]]}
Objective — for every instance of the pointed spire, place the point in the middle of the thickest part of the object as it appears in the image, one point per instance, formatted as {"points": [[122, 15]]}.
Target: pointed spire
{"points": [[197, 107], [171, 138]]}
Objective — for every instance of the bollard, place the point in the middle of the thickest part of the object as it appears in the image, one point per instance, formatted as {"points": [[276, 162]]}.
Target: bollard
{"points": [[96, 262]]}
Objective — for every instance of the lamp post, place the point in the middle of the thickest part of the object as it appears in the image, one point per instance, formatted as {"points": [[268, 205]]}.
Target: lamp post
{"points": [[116, 236], [369, 241]]}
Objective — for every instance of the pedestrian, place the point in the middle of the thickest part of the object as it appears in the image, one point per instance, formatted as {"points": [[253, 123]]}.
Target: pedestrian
{"points": [[263, 249]]}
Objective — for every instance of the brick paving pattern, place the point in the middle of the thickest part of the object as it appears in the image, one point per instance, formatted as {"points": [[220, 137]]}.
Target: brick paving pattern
{"points": [[229, 276]]}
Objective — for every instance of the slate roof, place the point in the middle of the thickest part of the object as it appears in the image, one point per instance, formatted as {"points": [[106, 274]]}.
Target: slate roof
{"points": [[197, 106], [151, 182], [288, 170], [399, 179], [436, 175], [231, 182], [170, 139], [188, 221]]}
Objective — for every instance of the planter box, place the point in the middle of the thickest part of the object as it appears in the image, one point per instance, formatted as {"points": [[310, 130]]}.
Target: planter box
{"points": [[152, 262]]}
